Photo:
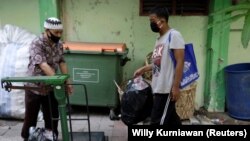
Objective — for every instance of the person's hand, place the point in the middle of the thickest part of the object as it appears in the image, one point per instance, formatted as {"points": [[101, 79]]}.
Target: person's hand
{"points": [[175, 93], [138, 72], [69, 89]]}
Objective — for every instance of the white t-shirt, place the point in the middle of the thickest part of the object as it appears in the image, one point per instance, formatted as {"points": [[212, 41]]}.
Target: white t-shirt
{"points": [[163, 66]]}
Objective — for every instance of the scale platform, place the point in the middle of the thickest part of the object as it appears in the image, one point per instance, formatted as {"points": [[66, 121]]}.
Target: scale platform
{"points": [[84, 136]]}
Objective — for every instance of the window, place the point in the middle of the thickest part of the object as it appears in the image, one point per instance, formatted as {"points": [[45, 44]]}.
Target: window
{"points": [[177, 7]]}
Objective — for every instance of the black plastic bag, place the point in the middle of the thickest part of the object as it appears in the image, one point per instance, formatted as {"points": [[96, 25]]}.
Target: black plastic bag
{"points": [[136, 102]]}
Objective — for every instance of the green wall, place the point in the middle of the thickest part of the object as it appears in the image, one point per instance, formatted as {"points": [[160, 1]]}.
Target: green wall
{"points": [[119, 21], [236, 52], [22, 13]]}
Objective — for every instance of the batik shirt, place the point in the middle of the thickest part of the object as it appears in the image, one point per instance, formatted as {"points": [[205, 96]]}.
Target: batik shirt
{"points": [[42, 51]]}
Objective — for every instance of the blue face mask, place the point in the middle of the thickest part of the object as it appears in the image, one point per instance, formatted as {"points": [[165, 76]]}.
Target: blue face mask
{"points": [[54, 38], [154, 27]]}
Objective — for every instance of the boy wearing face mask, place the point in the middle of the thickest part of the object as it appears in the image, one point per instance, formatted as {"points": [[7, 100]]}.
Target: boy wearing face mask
{"points": [[165, 76], [46, 57]]}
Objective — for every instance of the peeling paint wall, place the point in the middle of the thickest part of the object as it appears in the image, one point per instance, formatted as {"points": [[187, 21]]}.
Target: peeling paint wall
{"points": [[22, 13], [103, 21]]}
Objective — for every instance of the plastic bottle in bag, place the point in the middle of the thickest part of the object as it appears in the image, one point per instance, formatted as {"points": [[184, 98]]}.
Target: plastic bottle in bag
{"points": [[139, 83]]}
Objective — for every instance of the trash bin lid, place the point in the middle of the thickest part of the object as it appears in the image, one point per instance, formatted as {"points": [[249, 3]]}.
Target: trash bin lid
{"points": [[94, 47]]}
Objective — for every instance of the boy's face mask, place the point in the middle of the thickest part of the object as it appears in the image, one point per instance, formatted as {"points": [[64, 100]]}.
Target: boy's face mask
{"points": [[154, 27], [155, 23]]}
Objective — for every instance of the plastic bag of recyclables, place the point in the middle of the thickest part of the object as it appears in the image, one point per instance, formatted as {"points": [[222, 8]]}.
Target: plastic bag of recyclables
{"points": [[136, 101], [14, 59]]}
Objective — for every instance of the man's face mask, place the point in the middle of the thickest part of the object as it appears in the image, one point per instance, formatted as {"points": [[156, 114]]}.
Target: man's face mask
{"points": [[54, 38]]}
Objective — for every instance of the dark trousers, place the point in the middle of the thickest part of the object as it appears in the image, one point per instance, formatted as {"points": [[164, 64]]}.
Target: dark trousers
{"points": [[33, 103], [163, 112]]}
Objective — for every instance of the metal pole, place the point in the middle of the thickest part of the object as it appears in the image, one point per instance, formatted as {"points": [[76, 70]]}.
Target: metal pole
{"points": [[61, 98]]}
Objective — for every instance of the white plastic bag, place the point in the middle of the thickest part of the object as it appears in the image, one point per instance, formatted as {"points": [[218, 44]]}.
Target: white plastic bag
{"points": [[14, 59]]}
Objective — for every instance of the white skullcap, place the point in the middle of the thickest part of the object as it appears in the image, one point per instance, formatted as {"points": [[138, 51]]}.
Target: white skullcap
{"points": [[53, 23]]}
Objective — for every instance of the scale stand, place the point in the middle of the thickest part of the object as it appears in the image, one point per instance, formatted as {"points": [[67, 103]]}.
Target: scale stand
{"points": [[57, 83]]}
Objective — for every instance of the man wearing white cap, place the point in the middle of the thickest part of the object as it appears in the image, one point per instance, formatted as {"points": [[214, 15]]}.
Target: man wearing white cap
{"points": [[46, 57]]}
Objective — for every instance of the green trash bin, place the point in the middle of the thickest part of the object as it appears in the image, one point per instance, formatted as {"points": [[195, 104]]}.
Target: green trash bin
{"points": [[96, 65]]}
